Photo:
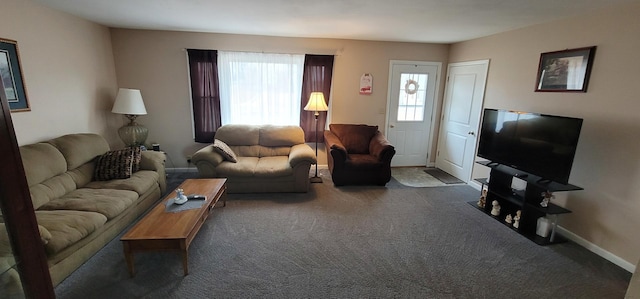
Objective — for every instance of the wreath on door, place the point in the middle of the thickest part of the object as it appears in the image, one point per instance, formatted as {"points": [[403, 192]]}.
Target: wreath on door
{"points": [[411, 87]]}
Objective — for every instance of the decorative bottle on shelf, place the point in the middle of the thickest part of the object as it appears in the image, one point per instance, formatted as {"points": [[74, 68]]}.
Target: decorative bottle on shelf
{"points": [[180, 197], [495, 211], [508, 219], [547, 196], [516, 219], [483, 199]]}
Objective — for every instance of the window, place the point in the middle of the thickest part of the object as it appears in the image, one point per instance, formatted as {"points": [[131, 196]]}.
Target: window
{"points": [[413, 91], [259, 88]]}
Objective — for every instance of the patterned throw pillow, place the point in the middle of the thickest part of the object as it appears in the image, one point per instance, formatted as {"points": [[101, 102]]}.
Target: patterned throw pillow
{"points": [[116, 164], [137, 157], [224, 150]]}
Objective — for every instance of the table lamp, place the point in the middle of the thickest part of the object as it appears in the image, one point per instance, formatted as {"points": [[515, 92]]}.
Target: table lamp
{"points": [[316, 103], [129, 102]]}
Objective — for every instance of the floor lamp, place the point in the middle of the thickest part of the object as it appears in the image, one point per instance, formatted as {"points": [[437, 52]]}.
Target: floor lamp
{"points": [[316, 103]]}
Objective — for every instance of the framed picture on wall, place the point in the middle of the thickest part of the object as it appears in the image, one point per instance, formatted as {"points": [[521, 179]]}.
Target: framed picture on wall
{"points": [[11, 76], [566, 70]]}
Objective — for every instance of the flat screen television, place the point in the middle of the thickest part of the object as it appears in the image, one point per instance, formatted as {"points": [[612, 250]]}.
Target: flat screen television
{"points": [[539, 144]]}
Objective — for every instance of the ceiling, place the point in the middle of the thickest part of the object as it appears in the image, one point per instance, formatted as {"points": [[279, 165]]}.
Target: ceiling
{"points": [[433, 21]]}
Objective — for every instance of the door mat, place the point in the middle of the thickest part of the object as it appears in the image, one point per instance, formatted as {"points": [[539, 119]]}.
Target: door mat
{"points": [[414, 177], [443, 176]]}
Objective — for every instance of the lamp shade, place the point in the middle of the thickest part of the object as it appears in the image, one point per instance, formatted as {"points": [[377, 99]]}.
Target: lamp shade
{"points": [[316, 102], [129, 101]]}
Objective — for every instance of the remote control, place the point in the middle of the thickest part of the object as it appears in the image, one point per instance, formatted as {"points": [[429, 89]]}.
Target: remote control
{"points": [[195, 196]]}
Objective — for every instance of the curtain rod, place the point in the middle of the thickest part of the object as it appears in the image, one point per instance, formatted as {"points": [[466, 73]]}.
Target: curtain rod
{"points": [[330, 52]]}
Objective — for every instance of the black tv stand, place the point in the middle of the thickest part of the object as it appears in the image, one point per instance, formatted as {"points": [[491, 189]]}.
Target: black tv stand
{"points": [[544, 181], [490, 164], [521, 176], [527, 201]]}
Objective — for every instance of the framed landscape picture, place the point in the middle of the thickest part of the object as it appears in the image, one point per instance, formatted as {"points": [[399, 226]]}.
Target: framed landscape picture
{"points": [[565, 71], [11, 76]]}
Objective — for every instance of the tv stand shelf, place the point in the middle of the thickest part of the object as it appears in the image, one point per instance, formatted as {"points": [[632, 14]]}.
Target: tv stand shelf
{"points": [[527, 201]]}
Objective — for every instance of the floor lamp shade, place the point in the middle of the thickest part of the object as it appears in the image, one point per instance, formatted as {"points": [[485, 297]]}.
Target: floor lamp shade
{"points": [[316, 103], [129, 102]]}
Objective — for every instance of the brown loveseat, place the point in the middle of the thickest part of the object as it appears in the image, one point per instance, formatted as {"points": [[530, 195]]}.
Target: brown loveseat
{"points": [[268, 159], [358, 155], [80, 214]]}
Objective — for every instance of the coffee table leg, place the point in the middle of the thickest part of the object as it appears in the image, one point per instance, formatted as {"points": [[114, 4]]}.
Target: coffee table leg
{"points": [[128, 256], [185, 257]]}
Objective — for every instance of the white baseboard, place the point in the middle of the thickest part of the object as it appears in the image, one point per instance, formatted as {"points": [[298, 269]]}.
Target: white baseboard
{"points": [[597, 250], [474, 184]]}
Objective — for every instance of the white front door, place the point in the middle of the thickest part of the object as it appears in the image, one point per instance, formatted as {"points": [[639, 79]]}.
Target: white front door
{"points": [[463, 99], [412, 92]]}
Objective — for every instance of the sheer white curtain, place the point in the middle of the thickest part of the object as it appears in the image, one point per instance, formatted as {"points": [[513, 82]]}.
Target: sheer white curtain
{"points": [[259, 88]]}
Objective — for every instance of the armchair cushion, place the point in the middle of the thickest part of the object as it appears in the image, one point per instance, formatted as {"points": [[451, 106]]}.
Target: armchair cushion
{"points": [[354, 138]]}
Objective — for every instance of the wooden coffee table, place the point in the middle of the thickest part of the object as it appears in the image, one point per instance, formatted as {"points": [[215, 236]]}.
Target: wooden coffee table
{"points": [[173, 231]]}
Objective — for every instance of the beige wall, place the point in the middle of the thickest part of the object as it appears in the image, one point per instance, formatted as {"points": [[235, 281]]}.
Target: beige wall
{"points": [[68, 69], [607, 162], [156, 63]]}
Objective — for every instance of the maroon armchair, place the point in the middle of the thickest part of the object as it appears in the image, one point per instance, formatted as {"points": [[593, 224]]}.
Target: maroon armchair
{"points": [[358, 155]]}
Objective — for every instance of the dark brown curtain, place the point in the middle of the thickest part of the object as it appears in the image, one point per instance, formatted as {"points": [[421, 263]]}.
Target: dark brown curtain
{"points": [[316, 77], [203, 69]]}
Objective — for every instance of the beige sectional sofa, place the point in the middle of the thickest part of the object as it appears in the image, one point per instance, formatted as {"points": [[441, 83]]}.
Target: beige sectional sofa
{"points": [[81, 214], [269, 159]]}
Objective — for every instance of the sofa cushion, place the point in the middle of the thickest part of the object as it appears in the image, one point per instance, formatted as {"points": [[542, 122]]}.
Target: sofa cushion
{"points": [[269, 151], [83, 174], [276, 166], [224, 150], [245, 167], [41, 161], [116, 164], [51, 189], [5, 244], [68, 227], [235, 134], [107, 202], [140, 182], [355, 138], [279, 136], [79, 149]]}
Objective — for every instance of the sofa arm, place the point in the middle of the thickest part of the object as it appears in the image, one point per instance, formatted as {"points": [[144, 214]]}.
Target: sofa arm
{"points": [[206, 160], [380, 148], [301, 153], [154, 161]]}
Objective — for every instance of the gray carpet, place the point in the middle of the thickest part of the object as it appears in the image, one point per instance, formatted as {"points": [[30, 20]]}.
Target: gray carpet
{"points": [[353, 242]]}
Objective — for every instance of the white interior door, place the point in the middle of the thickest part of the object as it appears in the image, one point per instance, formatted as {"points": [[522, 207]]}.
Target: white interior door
{"points": [[463, 99], [412, 92]]}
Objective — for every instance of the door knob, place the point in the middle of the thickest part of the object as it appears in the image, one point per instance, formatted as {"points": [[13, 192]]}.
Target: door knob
{"points": [[471, 133], [392, 126]]}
